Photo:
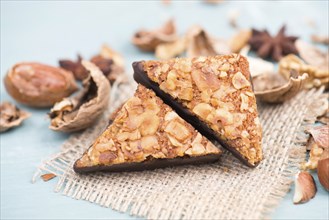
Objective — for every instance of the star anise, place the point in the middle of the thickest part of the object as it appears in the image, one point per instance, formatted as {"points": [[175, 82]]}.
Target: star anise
{"points": [[276, 47]]}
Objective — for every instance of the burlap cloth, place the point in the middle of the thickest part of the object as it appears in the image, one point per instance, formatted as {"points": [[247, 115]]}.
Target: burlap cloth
{"points": [[224, 190]]}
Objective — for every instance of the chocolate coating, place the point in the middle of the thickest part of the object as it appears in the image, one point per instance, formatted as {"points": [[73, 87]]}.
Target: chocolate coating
{"points": [[150, 164]]}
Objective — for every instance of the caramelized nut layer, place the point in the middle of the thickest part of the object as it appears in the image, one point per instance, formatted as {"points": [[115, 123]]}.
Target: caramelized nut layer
{"points": [[146, 128], [218, 91]]}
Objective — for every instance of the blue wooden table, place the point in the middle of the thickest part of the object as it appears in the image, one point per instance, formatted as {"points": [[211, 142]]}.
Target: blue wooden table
{"points": [[48, 31]]}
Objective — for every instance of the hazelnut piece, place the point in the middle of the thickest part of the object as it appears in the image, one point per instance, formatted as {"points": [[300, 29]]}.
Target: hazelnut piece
{"points": [[239, 81], [305, 188], [323, 170]]}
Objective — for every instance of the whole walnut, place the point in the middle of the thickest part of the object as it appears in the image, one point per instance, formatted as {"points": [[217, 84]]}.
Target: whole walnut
{"points": [[39, 85]]}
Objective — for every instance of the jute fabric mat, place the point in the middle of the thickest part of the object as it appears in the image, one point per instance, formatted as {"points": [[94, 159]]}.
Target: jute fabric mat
{"points": [[224, 190]]}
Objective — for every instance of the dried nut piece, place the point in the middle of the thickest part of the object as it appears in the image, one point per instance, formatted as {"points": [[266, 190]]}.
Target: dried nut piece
{"points": [[149, 40], [314, 57], [314, 156], [11, 116], [319, 109], [323, 170], [205, 80], [317, 77], [272, 47], [305, 188], [144, 131], [239, 40], [48, 176], [169, 50], [110, 62], [324, 118], [239, 81], [109, 53], [320, 135], [39, 85], [75, 67], [274, 88], [80, 112], [320, 39], [318, 145], [257, 66], [199, 43]]}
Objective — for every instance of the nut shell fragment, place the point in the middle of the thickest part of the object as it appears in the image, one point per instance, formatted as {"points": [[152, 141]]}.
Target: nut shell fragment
{"points": [[11, 116], [313, 56], [75, 67], [305, 188], [199, 43], [239, 40], [149, 40], [171, 49], [257, 65], [317, 76], [320, 39], [320, 135], [273, 88], [323, 172], [80, 112]]}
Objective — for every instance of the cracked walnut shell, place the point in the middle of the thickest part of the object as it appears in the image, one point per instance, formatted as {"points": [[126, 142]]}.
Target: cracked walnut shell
{"points": [[317, 76], [274, 88], [79, 112]]}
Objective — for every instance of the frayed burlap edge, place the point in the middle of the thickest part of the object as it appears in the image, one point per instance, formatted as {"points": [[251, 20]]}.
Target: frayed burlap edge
{"points": [[297, 153], [69, 183]]}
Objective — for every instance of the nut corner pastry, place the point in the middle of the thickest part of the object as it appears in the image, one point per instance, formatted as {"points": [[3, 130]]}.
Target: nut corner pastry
{"points": [[146, 134], [214, 94]]}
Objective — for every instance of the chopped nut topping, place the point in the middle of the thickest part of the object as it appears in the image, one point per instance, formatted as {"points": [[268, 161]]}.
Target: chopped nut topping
{"points": [[239, 81], [222, 97], [146, 128]]}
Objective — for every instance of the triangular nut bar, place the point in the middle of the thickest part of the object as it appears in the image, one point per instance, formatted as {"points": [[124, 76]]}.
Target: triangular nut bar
{"points": [[146, 134], [214, 94]]}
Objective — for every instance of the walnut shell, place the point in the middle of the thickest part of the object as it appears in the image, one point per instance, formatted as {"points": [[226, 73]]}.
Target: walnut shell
{"points": [[200, 43], [11, 116], [274, 88], [148, 40], [81, 111], [39, 85]]}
